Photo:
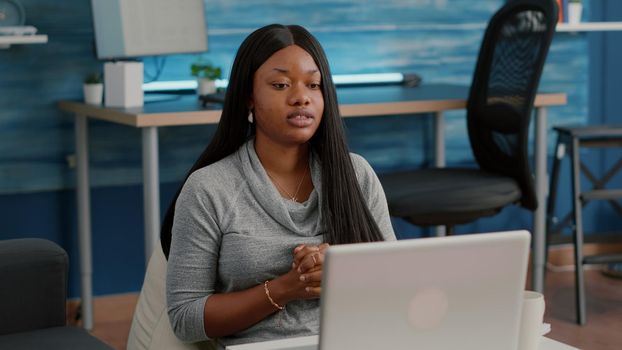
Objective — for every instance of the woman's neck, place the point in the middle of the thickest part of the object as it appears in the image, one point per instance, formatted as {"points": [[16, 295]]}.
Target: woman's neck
{"points": [[283, 160]]}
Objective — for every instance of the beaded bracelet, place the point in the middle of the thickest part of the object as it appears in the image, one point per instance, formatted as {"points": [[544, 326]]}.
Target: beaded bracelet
{"points": [[265, 288]]}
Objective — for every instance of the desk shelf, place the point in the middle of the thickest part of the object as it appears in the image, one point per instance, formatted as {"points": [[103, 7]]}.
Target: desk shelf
{"points": [[589, 27], [7, 40]]}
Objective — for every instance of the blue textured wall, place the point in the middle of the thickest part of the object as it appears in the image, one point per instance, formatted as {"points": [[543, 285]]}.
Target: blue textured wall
{"points": [[605, 105], [439, 39]]}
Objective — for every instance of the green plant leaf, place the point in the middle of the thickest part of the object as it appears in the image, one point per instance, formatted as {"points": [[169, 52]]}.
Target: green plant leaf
{"points": [[93, 78], [205, 70]]}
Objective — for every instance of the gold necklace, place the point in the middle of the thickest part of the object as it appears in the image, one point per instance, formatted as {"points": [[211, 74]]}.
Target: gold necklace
{"points": [[293, 198]]}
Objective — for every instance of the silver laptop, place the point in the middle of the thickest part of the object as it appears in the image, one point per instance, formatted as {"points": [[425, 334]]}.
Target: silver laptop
{"points": [[460, 292]]}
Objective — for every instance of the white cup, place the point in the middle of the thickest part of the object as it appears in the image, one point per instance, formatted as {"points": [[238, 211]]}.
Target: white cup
{"points": [[532, 316]]}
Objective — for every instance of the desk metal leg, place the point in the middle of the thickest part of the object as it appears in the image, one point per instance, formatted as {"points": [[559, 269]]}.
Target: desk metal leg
{"points": [[539, 227], [84, 220], [439, 140], [439, 153], [151, 190]]}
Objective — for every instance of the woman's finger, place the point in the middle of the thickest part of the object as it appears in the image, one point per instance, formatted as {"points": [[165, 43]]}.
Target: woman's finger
{"points": [[310, 261], [302, 253], [313, 291], [311, 278]]}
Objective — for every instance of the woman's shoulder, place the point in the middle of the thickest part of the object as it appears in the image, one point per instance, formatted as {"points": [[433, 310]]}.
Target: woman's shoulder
{"points": [[365, 174], [360, 164], [222, 175]]}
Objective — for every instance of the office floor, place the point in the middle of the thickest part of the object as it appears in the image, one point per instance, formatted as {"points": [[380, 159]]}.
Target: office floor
{"points": [[113, 314]]}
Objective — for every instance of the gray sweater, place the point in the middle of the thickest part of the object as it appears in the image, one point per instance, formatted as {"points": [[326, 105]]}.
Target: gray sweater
{"points": [[233, 230]]}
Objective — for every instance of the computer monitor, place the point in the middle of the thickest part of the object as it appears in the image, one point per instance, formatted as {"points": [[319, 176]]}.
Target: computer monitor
{"points": [[134, 28]]}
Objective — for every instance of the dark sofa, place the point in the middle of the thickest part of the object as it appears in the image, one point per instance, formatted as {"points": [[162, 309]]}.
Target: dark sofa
{"points": [[33, 292]]}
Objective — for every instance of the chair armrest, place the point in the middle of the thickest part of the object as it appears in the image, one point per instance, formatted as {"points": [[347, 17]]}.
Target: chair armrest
{"points": [[33, 285]]}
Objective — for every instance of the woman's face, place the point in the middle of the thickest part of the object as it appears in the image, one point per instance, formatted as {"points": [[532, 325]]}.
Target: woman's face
{"points": [[287, 97]]}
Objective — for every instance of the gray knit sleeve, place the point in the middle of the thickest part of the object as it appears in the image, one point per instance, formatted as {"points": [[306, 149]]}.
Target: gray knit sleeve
{"points": [[374, 194], [193, 261]]}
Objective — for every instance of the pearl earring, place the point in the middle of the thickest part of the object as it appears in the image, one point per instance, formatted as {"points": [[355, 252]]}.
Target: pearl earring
{"points": [[250, 117]]}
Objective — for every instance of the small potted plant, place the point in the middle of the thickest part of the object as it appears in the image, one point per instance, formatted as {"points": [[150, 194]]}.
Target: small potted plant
{"points": [[93, 89], [206, 75], [575, 8]]}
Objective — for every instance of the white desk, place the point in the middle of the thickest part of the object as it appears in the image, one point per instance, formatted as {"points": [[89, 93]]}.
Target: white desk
{"points": [[310, 343], [354, 102]]}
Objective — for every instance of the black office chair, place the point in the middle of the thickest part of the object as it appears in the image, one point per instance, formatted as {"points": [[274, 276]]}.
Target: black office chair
{"points": [[499, 110]]}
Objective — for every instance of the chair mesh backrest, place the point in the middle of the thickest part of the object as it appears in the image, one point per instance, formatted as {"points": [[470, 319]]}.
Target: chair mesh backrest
{"points": [[504, 86]]}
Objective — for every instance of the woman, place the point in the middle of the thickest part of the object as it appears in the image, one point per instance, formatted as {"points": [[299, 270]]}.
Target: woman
{"points": [[273, 189]]}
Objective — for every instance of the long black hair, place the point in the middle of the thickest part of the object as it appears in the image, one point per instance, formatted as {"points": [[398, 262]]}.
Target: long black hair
{"points": [[346, 216]]}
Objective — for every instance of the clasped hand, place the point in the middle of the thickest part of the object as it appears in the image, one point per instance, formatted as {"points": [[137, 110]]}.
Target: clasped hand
{"points": [[307, 269]]}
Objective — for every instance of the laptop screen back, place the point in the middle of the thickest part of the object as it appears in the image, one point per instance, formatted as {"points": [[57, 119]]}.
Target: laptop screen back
{"points": [[460, 292]]}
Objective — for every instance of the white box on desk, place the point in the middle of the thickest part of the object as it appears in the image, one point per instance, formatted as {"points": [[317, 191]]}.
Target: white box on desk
{"points": [[123, 84]]}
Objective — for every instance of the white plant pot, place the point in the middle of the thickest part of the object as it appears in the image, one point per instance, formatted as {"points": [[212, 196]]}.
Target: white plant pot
{"points": [[206, 87], [93, 93], [575, 10]]}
